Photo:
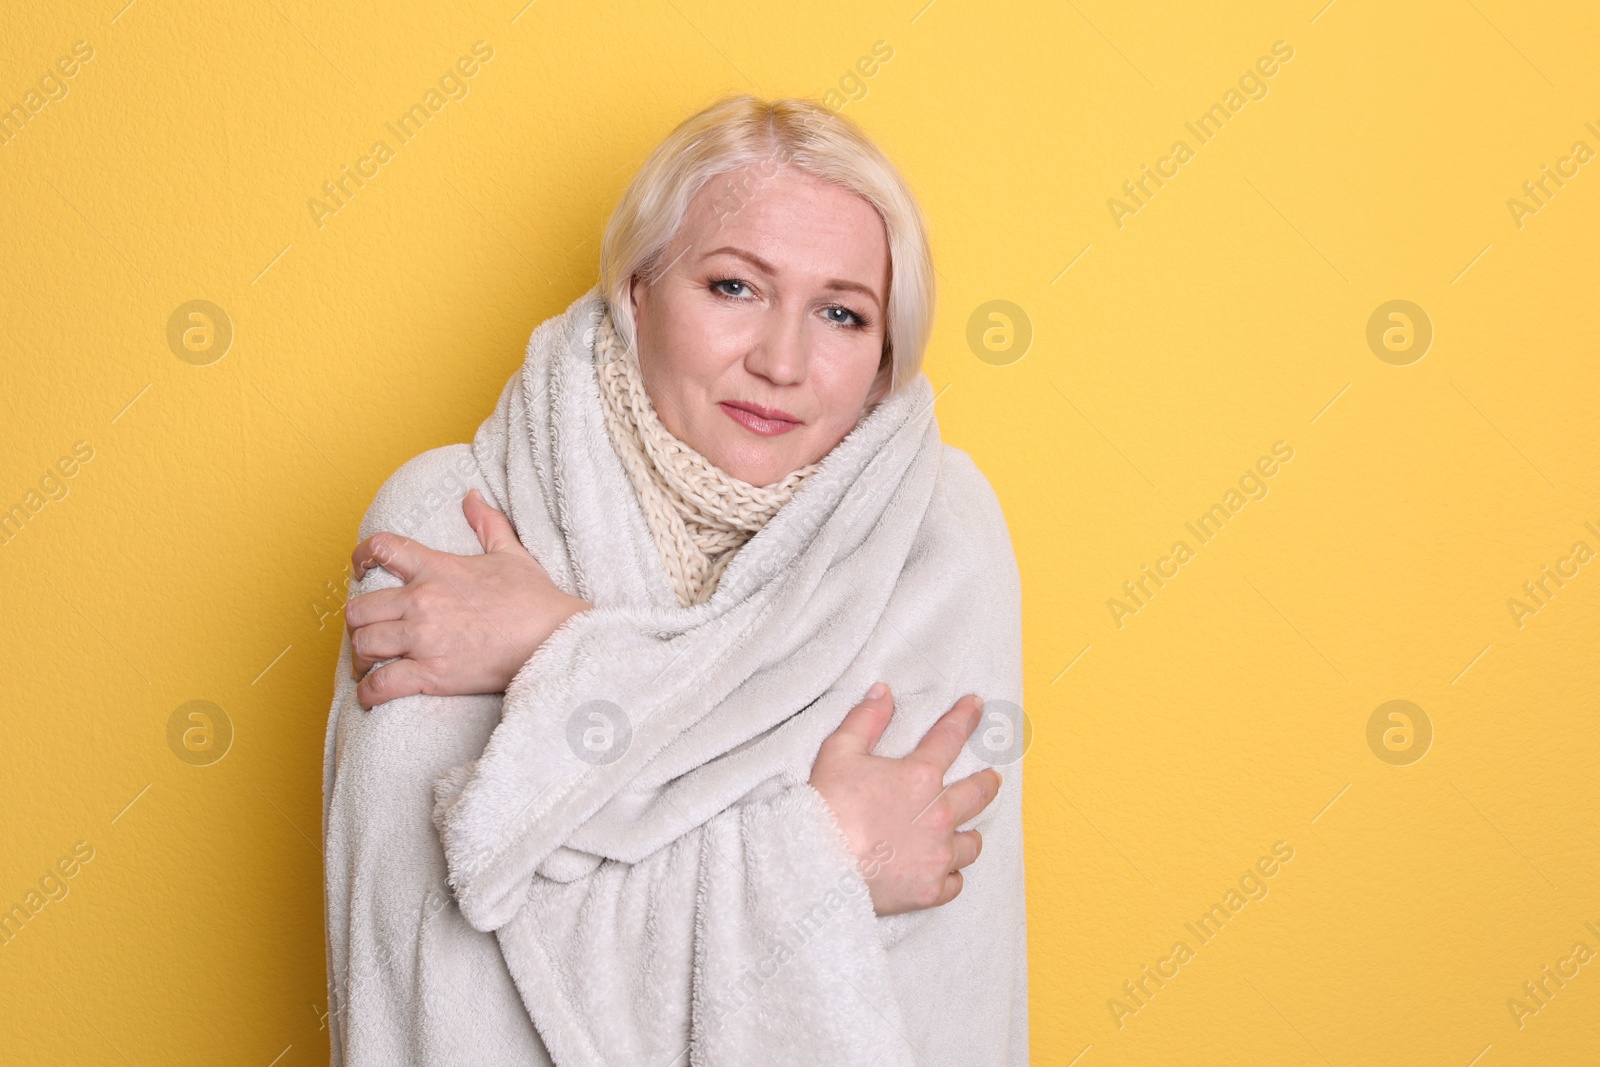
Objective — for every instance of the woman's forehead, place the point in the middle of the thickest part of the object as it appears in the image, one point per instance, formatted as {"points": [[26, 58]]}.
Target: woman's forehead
{"points": [[787, 222]]}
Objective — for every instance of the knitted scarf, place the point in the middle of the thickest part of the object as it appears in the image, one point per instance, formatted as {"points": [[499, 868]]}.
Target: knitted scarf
{"points": [[698, 513]]}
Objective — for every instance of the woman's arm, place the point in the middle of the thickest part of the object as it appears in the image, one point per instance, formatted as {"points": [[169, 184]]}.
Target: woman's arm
{"points": [[460, 625], [463, 625]]}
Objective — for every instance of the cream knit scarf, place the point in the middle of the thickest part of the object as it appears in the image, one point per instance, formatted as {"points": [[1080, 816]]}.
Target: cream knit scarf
{"points": [[699, 514]]}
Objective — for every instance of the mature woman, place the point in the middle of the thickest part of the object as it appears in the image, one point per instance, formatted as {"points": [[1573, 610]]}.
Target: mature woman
{"points": [[628, 791]]}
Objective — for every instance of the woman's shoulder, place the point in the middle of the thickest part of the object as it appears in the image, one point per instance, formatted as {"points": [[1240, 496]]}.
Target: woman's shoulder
{"points": [[965, 483], [966, 525], [964, 490], [426, 489]]}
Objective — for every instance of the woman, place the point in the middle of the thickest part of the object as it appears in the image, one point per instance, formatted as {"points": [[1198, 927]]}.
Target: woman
{"points": [[617, 799]]}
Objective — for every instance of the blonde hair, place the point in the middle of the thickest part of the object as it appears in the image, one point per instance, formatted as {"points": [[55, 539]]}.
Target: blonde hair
{"points": [[744, 130]]}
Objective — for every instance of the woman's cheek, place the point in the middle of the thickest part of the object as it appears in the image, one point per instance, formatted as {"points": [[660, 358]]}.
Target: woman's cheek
{"points": [[845, 378]]}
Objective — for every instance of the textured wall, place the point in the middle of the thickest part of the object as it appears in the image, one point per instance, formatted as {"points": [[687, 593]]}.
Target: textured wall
{"points": [[208, 364]]}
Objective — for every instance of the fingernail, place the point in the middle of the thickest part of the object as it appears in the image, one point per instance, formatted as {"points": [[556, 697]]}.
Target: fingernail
{"points": [[877, 690], [978, 700]]}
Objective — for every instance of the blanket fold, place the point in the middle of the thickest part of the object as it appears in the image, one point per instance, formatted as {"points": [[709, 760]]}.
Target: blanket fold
{"points": [[631, 824]]}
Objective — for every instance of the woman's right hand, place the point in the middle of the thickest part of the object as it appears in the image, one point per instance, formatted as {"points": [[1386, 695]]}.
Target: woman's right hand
{"points": [[461, 623], [904, 804]]}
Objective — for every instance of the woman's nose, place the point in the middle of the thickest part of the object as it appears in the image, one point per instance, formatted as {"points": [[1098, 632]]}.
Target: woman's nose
{"points": [[779, 353]]}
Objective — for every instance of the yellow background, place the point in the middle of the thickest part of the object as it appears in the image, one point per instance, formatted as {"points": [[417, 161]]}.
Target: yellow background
{"points": [[200, 555]]}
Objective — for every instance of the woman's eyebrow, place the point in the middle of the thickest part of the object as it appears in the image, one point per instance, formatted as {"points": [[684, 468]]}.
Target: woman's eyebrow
{"points": [[831, 283], [742, 254], [839, 283]]}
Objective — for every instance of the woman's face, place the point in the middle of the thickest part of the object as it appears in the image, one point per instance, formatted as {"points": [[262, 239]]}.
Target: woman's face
{"points": [[761, 343]]}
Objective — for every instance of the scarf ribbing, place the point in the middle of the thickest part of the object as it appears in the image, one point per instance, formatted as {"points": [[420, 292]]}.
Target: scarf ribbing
{"points": [[698, 513]]}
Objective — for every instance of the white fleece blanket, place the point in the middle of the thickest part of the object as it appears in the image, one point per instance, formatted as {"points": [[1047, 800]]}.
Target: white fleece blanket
{"points": [[620, 860]]}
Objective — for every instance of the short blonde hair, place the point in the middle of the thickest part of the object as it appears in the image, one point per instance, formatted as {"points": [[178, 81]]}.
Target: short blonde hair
{"points": [[744, 130]]}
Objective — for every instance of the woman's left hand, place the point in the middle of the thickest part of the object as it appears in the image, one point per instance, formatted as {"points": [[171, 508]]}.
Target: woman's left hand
{"points": [[460, 624]]}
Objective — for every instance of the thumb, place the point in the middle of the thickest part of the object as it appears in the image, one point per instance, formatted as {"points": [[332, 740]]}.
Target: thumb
{"points": [[494, 530], [865, 723]]}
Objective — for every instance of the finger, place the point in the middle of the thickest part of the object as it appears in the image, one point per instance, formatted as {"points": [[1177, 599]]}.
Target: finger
{"points": [[494, 530], [972, 794], [379, 641], [400, 556], [951, 890], [391, 681], [380, 605], [865, 723], [942, 743], [969, 843]]}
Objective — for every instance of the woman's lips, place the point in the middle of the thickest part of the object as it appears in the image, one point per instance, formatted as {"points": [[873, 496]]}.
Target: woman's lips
{"points": [[766, 427]]}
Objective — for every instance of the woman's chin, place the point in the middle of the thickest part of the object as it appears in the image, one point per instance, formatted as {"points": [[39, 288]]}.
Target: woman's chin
{"points": [[759, 462]]}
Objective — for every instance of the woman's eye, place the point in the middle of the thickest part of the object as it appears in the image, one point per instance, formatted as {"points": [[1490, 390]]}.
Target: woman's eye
{"points": [[729, 281], [847, 317]]}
